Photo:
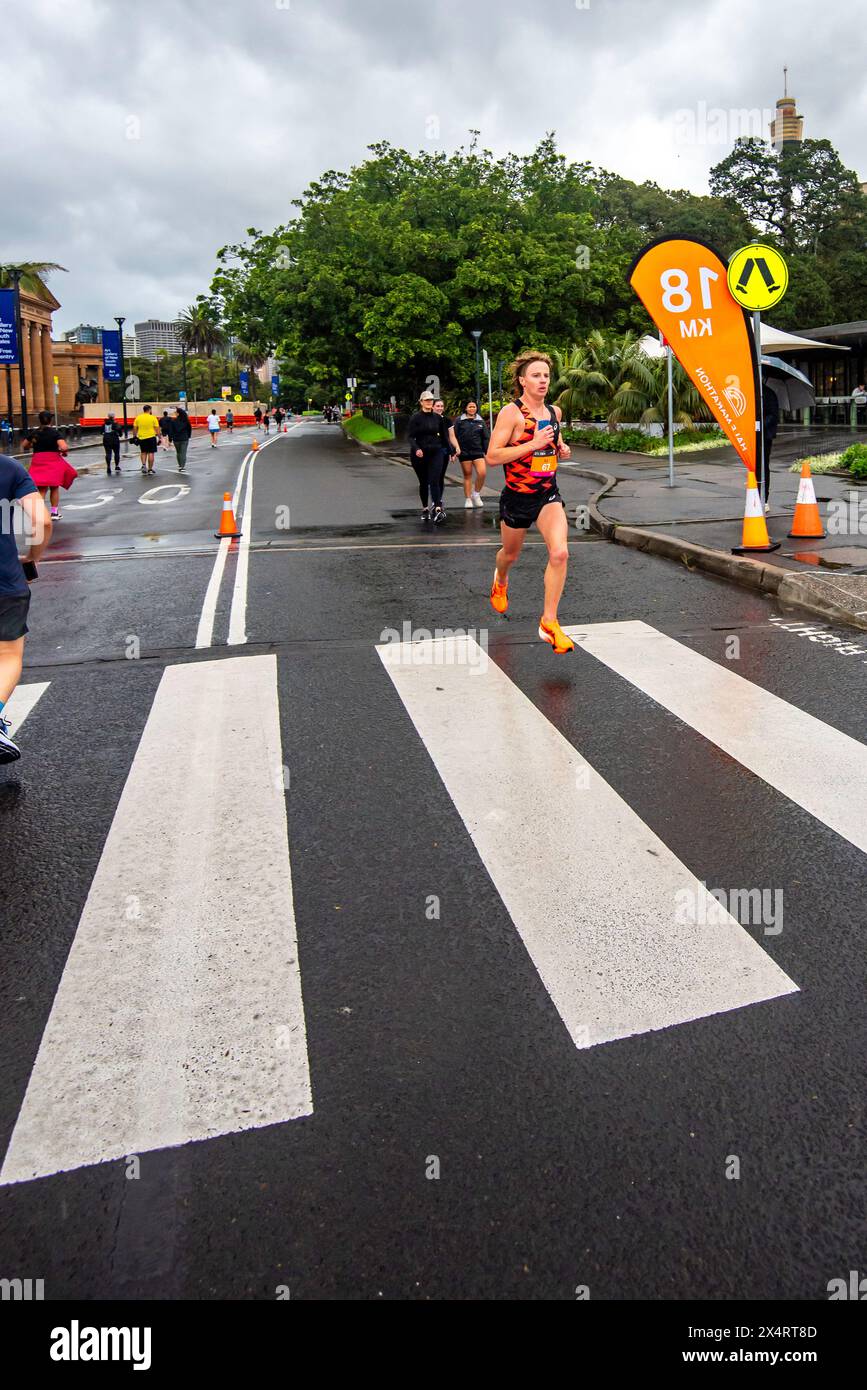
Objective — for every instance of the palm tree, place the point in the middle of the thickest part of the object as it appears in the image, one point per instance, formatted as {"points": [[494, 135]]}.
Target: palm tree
{"points": [[252, 357], [588, 377], [32, 276], [200, 332], [643, 394]]}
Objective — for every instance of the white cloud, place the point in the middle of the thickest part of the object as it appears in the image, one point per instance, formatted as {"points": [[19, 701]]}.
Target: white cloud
{"points": [[238, 107]]}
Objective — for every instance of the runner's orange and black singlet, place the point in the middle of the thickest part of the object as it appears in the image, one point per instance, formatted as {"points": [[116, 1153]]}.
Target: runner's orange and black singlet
{"points": [[534, 473]]}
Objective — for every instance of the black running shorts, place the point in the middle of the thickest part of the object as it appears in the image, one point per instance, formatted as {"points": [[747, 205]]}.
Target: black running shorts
{"points": [[148, 446], [13, 616], [520, 509]]}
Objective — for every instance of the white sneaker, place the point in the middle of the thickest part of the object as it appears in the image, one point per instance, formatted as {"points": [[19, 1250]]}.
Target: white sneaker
{"points": [[476, 500], [468, 505], [767, 508]]}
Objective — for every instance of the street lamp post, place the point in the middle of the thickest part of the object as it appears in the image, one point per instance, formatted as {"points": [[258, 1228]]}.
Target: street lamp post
{"points": [[184, 370], [120, 321], [476, 334], [16, 284]]}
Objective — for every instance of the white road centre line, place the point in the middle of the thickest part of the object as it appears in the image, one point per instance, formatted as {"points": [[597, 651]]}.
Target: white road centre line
{"points": [[22, 702], [238, 613], [594, 894], [816, 766], [205, 631], [179, 1015]]}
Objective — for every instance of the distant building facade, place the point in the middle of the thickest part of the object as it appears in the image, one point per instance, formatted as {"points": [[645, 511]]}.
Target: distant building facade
{"points": [[84, 333], [788, 127], [155, 334]]}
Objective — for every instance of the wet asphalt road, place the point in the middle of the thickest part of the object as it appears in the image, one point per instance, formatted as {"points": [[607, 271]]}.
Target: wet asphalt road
{"points": [[558, 1167]]}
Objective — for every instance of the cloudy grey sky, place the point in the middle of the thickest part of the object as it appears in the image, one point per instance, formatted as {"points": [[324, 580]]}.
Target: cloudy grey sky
{"points": [[141, 135]]}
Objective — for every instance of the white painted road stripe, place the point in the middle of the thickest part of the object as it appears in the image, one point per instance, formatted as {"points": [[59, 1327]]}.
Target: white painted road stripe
{"points": [[811, 763], [591, 890], [238, 614], [205, 632], [22, 702], [179, 1014]]}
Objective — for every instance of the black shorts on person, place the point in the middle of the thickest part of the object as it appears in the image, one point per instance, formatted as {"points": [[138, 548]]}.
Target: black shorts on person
{"points": [[148, 446], [520, 509], [13, 616]]}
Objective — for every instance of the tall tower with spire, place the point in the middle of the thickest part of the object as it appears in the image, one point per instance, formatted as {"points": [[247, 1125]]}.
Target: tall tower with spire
{"points": [[788, 128]]}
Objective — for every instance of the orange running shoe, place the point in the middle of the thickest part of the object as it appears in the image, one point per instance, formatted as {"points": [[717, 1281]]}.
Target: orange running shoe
{"points": [[553, 634], [499, 594]]}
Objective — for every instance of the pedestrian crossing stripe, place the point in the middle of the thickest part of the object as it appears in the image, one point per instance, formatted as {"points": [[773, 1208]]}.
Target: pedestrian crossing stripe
{"points": [[595, 898], [816, 766], [179, 1015], [22, 703]]}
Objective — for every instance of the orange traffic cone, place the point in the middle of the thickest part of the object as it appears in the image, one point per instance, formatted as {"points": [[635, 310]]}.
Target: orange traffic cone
{"points": [[806, 523], [227, 521], [755, 533], [254, 446]]}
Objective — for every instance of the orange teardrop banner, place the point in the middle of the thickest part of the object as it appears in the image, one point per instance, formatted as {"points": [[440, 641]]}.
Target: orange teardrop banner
{"points": [[682, 284]]}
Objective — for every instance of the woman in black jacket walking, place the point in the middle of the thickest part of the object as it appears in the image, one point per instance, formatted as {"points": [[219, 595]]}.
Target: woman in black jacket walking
{"points": [[181, 431], [428, 437], [111, 442]]}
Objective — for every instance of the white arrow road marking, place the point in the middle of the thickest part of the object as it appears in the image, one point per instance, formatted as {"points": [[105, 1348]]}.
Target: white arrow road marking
{"points": [[22, 702], [102, 498], [179, 1014], [148, 499], [593, 893]]}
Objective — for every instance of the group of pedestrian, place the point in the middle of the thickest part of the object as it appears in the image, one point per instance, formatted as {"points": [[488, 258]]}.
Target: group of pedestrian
{"points": [[175, 430], [527, 443], [434, 439]]}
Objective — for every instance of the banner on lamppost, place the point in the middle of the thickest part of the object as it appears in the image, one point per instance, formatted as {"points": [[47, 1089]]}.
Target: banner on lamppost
{"points": [[275, 385], [244, 378], [682, 283], [8, 334], [111, 354]]}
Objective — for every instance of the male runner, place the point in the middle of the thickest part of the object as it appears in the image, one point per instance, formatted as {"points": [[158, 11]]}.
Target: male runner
{"points": [[526, 441], [146, 428]]}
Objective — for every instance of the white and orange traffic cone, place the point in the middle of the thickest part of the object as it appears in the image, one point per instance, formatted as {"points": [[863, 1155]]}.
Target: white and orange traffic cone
{"points": [[227, 521], [755, 532], [806, 523]]}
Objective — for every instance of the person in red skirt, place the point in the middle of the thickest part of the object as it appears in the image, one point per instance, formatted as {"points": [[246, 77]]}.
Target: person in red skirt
{"points": [[50, 470]]}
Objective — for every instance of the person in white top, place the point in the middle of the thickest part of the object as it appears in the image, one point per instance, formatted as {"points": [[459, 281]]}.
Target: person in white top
{"points": [[213, 427]]}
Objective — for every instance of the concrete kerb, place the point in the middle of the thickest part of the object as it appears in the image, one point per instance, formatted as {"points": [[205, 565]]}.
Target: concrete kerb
{"points": [[753, 574]]}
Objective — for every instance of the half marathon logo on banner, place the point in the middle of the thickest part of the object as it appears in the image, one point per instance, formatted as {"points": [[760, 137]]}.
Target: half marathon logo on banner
{"points": [[8, 336]]}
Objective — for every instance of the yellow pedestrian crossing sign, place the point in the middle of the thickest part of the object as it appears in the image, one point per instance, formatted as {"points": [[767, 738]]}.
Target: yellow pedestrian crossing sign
{"points": [[758, 276]]}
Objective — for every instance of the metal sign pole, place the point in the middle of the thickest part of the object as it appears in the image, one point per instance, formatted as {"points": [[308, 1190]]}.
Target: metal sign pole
{"points": [[670, 418], [760, 406]]}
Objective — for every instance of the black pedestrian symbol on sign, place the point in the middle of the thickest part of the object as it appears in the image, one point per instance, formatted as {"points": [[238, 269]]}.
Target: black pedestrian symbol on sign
{"points": [[760, 264]]}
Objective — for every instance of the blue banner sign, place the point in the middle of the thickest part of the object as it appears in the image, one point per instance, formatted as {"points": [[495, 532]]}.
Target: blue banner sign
{"points": [[245, 383], [8, 335], [111, 354], [275, 385]]}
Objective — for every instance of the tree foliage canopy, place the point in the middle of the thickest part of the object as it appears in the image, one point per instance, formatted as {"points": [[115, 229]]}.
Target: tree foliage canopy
{"points": [[385, 269]]}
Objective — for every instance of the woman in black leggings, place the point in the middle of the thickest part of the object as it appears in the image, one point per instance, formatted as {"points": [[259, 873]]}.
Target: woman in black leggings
{"points": [[428, 436]]}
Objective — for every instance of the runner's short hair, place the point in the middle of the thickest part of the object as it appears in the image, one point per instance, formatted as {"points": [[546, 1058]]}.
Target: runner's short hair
{"points": [[520, 365]]}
